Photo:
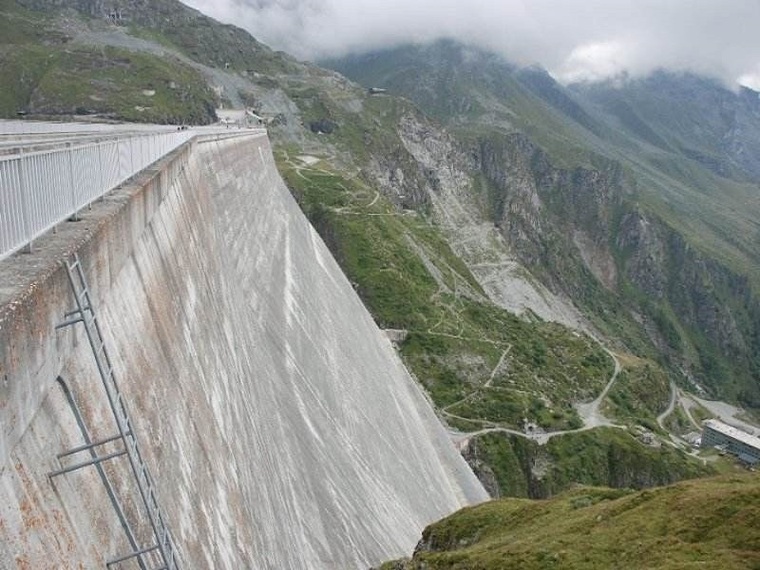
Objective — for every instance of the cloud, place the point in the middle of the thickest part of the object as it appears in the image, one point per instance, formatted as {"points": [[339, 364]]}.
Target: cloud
{"points": [[572, 39]]}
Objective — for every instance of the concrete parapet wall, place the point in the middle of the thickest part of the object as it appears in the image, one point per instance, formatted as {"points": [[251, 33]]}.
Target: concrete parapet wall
{"points": [[279, 425], [66, 523]]}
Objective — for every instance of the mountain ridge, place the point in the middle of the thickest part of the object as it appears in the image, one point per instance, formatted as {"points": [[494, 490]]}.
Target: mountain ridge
{"points": [[669, 204]]}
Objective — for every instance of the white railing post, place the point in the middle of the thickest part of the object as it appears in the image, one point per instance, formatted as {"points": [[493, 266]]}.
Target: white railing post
{"points": [[25, 208], [74, 207], [101, 170]]}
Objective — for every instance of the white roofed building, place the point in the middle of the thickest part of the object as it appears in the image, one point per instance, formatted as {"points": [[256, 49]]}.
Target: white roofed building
{"points": [[745, 446]]}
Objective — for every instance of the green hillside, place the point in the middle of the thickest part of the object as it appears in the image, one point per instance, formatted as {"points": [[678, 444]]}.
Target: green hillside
{"points": [[644, 201], [46, 73], [709, 523]]}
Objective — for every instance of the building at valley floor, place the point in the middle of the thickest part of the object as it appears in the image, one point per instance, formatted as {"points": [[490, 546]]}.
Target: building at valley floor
{"points": [[744, 446]]}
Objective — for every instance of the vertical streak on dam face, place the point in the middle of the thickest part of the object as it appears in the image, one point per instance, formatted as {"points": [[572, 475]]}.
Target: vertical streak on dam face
{"points": [[281, 428]]}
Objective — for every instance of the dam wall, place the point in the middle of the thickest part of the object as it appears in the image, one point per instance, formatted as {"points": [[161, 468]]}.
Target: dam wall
{"points": [[280, 427]]}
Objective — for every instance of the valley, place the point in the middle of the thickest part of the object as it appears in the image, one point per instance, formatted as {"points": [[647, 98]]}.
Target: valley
{"points": [[570, 272]]}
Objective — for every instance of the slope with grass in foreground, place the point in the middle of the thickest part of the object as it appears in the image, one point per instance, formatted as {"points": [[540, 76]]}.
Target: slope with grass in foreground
{"points": [[710, 523]]}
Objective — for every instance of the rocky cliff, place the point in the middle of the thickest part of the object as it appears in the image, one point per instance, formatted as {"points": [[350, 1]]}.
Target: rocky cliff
{"points": [[636, 201]]}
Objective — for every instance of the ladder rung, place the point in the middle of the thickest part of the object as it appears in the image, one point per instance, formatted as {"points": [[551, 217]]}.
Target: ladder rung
{"points": [[87, 446], [132, 555], [87, 463], [65, 324]]}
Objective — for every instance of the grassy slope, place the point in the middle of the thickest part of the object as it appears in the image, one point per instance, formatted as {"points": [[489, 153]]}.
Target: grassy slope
{"points": [[603, 456], [47, 75], [640, 394], [698, 524], [456, 337]]}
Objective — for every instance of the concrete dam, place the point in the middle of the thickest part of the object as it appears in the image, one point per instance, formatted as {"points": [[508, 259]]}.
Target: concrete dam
{"points": [[279, 426]]}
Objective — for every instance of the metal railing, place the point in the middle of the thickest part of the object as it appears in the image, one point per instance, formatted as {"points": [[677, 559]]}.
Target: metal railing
{"points": [[27, 127], [41, 188]]}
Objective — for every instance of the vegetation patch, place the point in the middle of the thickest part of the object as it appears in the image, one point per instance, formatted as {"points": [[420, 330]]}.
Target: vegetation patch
{"points": [[640, 393], [125, 85], [603, 457], [479, 362], [709, 523]]}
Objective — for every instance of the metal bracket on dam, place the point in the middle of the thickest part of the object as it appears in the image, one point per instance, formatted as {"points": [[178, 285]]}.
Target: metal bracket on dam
{"points": [[85, 313]]}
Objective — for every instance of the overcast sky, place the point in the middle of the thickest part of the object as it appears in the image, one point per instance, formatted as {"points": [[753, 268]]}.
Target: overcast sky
{"points": [[572, 39]]}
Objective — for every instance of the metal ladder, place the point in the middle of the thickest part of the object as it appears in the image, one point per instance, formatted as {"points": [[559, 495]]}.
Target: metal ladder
{"points": [[85, 313]]}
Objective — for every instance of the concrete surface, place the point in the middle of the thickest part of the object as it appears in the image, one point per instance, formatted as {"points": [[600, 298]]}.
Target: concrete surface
{"points": [[280, 427]]}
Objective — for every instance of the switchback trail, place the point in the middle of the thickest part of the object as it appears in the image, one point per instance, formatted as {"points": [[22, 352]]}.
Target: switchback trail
{"points": [[590, 414]]}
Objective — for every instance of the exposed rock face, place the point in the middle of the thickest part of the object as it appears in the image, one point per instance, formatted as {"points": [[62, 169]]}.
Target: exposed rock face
{"points": [[510, 213], [482, 470], [700, 291], [460, 204], [646, 256], [400, 178], [541, 210], [644, 156], [516, 206], [559, 221]]}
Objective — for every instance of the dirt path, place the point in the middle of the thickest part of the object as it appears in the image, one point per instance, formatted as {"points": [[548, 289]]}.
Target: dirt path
{"points": [[687, 404], [671, 405], [590, 413], [496, 368], [487, 384], [462, 439]]}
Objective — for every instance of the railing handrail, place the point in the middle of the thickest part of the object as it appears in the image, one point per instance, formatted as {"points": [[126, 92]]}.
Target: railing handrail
{"points": [[57, 140], [41, 187]]}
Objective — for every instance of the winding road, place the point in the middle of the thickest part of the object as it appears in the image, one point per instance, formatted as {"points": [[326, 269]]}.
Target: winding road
{"points": [[589, 412], [671, 405]]}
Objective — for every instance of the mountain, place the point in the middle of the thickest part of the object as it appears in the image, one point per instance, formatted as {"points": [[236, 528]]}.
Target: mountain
{"points": [[688, 115], [499, 223], [639, 201]]}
